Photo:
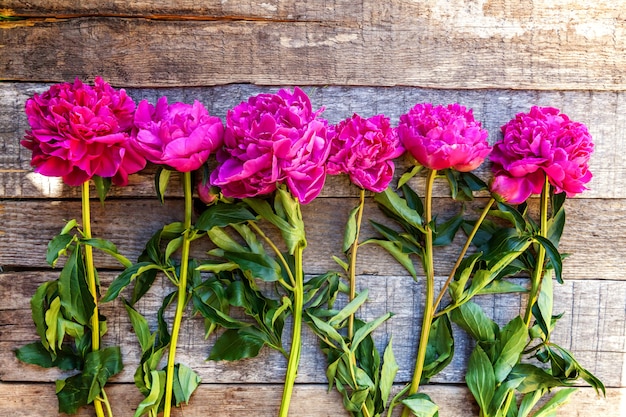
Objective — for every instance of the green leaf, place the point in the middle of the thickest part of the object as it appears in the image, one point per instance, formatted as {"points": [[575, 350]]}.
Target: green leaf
{"points": [[510, 213], [388, 373], [185, 383], [409, 174], [72, 393], [412, 199], [553, 255], [327, 332], [39, 304], [224, 241], [535, 378], [36, 354], [509, 347], [542, 310], [504, 392], [141, 328], [172, 246], [558, 399], [480, 378], [125, 278], [440, 348], [150, 404], [108, 248], [407, 243], [100, 365], [58, 246], [102, 187], [52, 320], [445, 232], [471, 318], [216, 267], [365, 330], [234, 345], [349, 309], [421, 405], [399, 208], [256, 266], [76, 299], [502, 287], [222, 215], [161, 179], [402, 258], [350, 232], [292, 230], [528, 402]]}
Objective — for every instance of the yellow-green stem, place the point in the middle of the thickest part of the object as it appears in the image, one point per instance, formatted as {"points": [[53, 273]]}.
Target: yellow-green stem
{"points": [[182, 295], [430, 290], [468, 242], [353, 257], [296, 343], [535, 284], [91, 283]]}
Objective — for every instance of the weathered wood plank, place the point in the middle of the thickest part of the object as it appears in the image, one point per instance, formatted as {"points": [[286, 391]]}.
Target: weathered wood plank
{"points": [[604, 113], [28, 226], [337, 10], [592, 327], [404, 43], [26, 400]]}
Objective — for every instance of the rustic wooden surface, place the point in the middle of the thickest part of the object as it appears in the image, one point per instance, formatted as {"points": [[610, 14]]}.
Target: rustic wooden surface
{"points": [[498, 57]]}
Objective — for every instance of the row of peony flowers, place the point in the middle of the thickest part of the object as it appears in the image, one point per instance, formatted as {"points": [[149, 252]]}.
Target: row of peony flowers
{"points": [[80, 131], [276, 142]]}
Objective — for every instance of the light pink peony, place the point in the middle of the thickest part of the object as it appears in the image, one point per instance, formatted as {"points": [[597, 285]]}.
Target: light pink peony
{"points": [[79, 131], [364, 149], [179, 135], [441, 137], [539, 144], [273, 139]]}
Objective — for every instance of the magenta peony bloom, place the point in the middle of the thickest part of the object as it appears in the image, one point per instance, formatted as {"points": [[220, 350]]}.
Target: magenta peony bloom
{"points": [[539, 144], [79, 131], [179, 135], [364, 149], [273, 139], [441, 137]]}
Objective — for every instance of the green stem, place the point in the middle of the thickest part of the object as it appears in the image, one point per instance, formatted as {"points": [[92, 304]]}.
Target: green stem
{"points": [[296, 342], [353, 257], [91, 283], [468, 242], [182, 295], [541, 254], [430, 290]]}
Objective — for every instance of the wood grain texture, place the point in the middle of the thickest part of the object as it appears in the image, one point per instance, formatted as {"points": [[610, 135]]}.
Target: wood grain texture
{"points": [[26, 400], [592, 327], [437, 45], [604, 113], [23, 246]]}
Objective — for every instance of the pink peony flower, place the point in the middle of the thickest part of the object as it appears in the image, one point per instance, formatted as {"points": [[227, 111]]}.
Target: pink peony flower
{"points": [[79, 131], [364, 149], [273, 139], [441, 137], [179, 135], [539, 144]]}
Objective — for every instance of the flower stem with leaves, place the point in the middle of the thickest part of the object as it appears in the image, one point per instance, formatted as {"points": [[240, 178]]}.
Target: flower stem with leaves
{"points": [[541, 254], [296, 340], [182, 294], [93, 288], [429, 295]]}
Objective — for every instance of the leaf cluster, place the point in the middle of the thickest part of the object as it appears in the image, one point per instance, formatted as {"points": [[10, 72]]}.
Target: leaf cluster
{"points": [[62, 311]]}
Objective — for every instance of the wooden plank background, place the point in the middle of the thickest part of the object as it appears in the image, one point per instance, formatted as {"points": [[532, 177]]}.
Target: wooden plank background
{"points": [[498, 57]]}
